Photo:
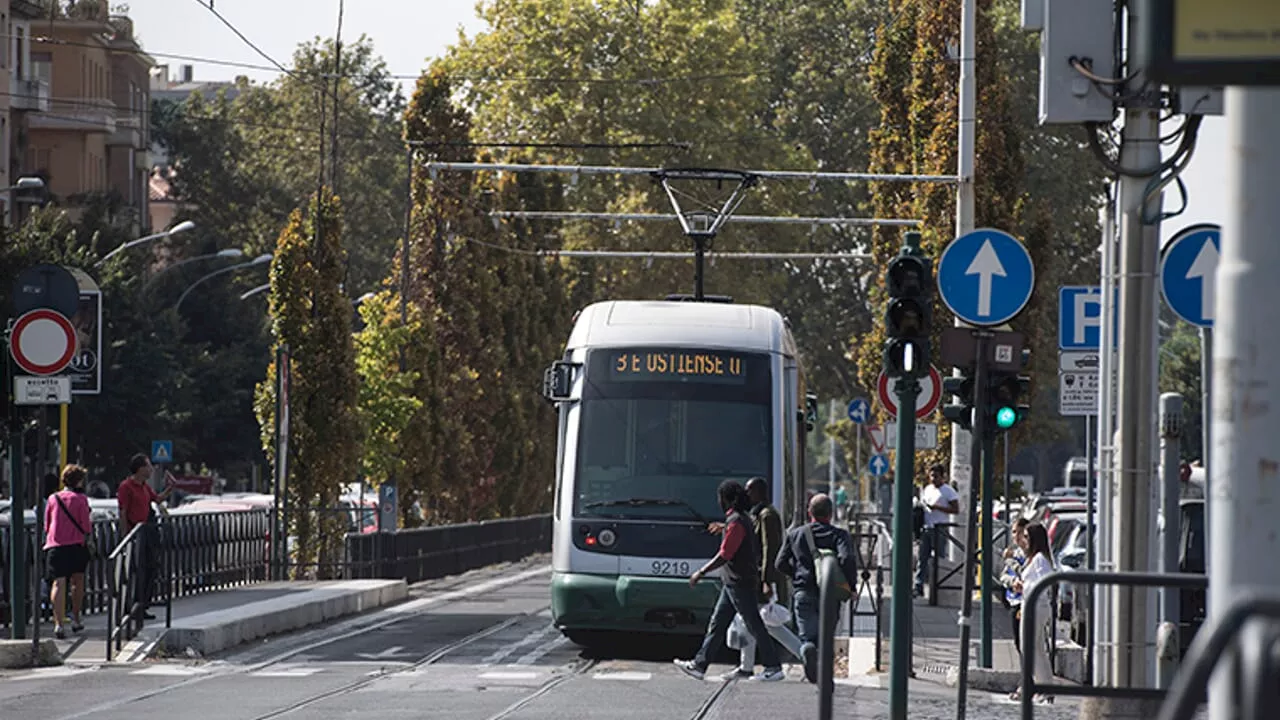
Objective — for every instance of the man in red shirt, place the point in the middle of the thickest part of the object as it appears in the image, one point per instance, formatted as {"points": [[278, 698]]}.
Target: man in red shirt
{"points": [[740, 557], [134, 497]]}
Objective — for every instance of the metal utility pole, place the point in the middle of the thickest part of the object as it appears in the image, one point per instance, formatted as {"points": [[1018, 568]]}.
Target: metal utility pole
{"points": [[1101, 548], [1243, 543], [962, 459], [979, 434], [1171, 521], [831, 452], [1132, 631]]}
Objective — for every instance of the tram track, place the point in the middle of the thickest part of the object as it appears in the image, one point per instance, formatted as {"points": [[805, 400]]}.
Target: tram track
{"points": [[434, 656]]}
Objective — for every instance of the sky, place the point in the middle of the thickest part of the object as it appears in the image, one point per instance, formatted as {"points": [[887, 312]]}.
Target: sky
{"points": [[408, 33]]}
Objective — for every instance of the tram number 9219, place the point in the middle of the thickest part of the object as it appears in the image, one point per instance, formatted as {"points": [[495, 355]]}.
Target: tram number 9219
{"points": [[671, 568]]}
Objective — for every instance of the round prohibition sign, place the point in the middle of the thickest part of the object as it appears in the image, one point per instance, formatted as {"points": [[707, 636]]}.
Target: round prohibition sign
{"points": [[926, 402], [43, 342]]}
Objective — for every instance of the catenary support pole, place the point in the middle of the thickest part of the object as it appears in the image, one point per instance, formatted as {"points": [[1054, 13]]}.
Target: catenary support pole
{"points": [[962, 461], [1246, 421], [1206, 413], [1136, 412], [831, 451], [903, 483], [970, 506], [1091, 499], [17, 532]]}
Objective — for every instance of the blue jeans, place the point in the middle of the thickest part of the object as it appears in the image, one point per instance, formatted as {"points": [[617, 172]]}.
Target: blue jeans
{"points": [[804, 608], [927, 541], [735, 600]]}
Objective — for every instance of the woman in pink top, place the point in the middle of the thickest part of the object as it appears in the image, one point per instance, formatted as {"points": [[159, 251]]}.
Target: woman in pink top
{"points": [[67, 523]]}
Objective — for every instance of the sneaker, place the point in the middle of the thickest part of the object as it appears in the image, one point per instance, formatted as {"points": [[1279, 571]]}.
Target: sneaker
{"points": [[773, 675], [810, 653], [735, 674], [691, 669]]}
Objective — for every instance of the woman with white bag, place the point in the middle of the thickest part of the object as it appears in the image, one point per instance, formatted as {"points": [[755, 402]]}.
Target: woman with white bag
{"points": [[775, 619]]}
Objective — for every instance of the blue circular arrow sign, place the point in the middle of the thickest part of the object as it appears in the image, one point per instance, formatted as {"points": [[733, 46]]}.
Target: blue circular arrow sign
{"points": [[878, 465], [986, 277], [859, 410], [1189, 271]]}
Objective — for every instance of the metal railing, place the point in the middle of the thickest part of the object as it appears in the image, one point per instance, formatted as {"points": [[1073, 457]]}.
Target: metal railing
{"points": [[1092, 579], [936, 582], [133, 564], [866, 532], [432, 552], [828, 616], [1206, 651]]}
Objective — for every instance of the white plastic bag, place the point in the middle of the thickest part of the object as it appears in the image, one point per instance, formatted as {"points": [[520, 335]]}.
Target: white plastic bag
{"points": [[738, 633], [773, 614]]}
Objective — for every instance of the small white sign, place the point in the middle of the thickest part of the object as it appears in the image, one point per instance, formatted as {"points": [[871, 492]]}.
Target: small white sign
{"points": [[1078, 361], [31, 390], [1078, 393], [1004, 354], [926, 436]]}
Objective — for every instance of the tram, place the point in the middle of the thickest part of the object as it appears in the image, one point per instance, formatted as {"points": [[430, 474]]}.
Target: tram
{"points": [[658, 403]]}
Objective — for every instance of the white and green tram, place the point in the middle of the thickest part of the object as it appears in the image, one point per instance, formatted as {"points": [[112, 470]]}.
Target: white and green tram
{"points": [[660, 401]]}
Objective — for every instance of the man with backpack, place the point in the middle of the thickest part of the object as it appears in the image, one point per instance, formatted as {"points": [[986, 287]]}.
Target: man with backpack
{"points": [[796, 561]]}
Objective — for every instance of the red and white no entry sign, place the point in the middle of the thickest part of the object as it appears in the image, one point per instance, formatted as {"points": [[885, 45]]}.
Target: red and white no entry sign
{"points": [[926, 401], [43, 342]]}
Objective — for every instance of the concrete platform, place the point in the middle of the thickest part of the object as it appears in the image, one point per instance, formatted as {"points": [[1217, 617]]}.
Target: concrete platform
{"points": [[17, 654], [303, 605]]}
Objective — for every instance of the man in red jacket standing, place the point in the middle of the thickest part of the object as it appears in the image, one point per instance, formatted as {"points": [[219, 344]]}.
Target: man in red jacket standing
{"points": [[134, 497]]}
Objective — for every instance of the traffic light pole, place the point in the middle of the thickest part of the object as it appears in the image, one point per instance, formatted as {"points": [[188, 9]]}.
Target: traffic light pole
{"points": [[17, 503], [979, 431], [900, 631], [988, 464]]}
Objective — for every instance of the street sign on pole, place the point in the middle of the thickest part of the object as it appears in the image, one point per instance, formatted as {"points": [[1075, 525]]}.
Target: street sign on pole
{"points": [[876, 434], [878, 464], [926, 436], [986, 277], [1077, 393], [46, 286], [28, 390], [161, 451], [1080, 317], [43, 342], [926, 401], [1004, 348], [1189, 271], [859, 410]]}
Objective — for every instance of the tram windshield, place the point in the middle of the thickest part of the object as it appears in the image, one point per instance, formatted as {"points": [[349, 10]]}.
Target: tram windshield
{"points": [[661, 428]]}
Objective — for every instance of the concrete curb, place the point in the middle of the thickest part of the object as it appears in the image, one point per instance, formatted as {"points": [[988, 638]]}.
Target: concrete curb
{"points": [[213, 632], [17, 654]]}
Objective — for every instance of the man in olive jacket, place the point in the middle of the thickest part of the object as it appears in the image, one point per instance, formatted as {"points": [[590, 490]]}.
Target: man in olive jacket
{"points": [[768, 524]]}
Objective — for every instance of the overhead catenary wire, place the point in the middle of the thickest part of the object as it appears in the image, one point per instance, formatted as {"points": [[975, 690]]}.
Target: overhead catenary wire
{"points": [[763, 219], [436, 166]]}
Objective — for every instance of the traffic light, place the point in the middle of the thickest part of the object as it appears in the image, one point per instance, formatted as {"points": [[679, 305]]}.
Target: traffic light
{"points": [[1006, 390], [960, 387], [908, 317]]}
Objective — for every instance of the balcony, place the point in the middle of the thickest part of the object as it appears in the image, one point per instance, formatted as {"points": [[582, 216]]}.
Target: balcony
{"points": [[128, 131], [30, 95], [83, 114]]}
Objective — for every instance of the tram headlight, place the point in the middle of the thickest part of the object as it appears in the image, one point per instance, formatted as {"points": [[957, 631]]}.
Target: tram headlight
{"points": [[607, 538]]}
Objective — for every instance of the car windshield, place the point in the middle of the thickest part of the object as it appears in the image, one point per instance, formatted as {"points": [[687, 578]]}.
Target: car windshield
{"points": [[661, 428]]}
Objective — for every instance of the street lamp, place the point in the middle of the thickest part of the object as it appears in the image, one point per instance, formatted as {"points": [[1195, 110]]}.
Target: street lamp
{"points": [[183, 226], [228, 253], [26, 183], [264, 258]]}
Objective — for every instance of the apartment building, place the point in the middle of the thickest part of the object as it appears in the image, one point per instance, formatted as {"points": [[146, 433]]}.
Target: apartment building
{"points": [[93, 136]]}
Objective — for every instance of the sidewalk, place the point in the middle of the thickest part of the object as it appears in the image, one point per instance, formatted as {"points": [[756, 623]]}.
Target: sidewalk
{"points": [[210, 622]]}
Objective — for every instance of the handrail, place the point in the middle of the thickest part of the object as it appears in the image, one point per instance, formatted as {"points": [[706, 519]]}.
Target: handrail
{"points": [[1207, 648], [1090, 578], [828, 616], [125, 541]]}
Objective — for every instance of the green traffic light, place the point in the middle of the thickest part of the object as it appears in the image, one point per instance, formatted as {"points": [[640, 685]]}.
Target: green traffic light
{"points": [[1006, 417]]}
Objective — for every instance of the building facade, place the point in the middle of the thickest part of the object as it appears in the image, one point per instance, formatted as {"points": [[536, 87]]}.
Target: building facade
{"points": [[92, 138]]}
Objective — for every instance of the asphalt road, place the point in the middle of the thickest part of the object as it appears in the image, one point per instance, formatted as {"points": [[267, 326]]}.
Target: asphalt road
{"points": [[477, 647]]}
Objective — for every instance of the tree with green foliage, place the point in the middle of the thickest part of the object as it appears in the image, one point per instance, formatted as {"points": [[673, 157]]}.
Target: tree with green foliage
{"points": [[386, 400], [311, 316]]}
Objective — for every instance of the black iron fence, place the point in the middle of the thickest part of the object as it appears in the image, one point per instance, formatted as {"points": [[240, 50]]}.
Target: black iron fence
{"points": [[214, 551]]}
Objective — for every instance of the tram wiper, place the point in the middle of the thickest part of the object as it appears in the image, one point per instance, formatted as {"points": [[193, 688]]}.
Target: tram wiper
{"points": [[641, 502]]}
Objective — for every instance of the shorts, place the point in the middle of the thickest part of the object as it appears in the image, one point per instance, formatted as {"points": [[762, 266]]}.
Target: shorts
{"points": [[66, 560]]}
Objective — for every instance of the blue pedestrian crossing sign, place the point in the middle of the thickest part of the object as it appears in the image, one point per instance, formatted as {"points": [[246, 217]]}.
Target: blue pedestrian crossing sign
{"points": [[1189, 273], [878, 464], [161, 451], [859, 410], [986, 277]]}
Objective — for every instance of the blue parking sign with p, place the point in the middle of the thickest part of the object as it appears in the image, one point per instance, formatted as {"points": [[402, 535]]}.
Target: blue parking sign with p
{"points": [[1080, 318]]}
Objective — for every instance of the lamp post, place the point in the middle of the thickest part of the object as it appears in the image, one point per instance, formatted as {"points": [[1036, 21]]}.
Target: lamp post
{"points": [[228, 253], [183, 226], [264, 258], [23, 183]]}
